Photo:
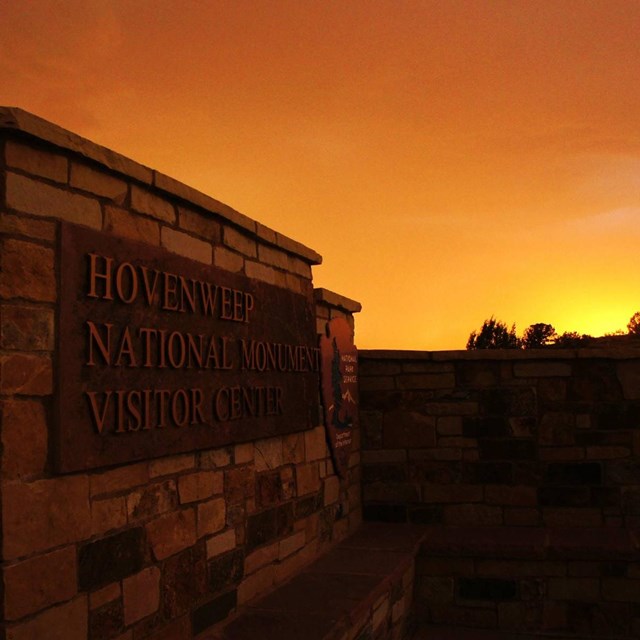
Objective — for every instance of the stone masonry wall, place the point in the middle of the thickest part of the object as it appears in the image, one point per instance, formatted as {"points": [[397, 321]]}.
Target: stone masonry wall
{"points": [[519, 438], [162, 548], [525, 467]]}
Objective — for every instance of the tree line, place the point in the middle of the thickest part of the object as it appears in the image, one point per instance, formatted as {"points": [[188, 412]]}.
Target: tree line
{"points": [[495, 334]]}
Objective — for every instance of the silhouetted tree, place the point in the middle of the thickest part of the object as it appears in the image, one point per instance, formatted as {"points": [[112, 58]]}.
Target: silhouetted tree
{"points": [[538, 335], [571, 340], [634, 324], [494, 335]]}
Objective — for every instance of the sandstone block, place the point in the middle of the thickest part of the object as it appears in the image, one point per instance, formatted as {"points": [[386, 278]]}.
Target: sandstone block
{"points": [[172, 533], [98, 182], [380, 614], [435, 589], [215, 458], [110, 559], [315, 444], [287, 483], [200, 224], [121, 222], [300, 267], [211, 516], [66, 622], [185, 245], [223, 542], [438, 453], [141, 594], [27, 271], [391, 492], [152, 500], [472, 514], [268, 489], [268, 454], [434, 566], [449, 426], [265, 233], [426, 381], [564, 454], [196, 486], [307, 478], [144, 201], [120, 479], [228, 260], [243, 453], [259, 271], [511, 568], [408, 429], [294, 563], [629, 376], [375, 383], [24, 438], [521, 517], [607, 453], [26, 328], [443, 493], [457, 441], [294, 283], [400, 608], [107, 594], [26, 375], [375, 456], [321, 327], [519, 495], [171, 465], [40, 199], [39, 582], [256, 584], [261, 557], [541, 369], [273, 257], [572, 517], [108, 514], [291, 545], [239, 484], [239, 242], [331, 490], [621, 589], [176, 629], [354, 495], [30, 227], [575, 589], [36, 161], [58, 513]]}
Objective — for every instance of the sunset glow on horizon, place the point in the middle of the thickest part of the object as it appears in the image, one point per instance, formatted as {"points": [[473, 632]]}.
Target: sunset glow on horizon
{"points": [[450, 159]]}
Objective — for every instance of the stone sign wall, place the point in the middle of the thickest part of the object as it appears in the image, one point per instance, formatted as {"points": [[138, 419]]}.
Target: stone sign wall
{"points": [[517, 438], [163, 460], [524, 468]]}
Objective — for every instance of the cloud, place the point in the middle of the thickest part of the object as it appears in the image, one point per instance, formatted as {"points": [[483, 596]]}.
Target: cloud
{"points": [[624, 220]]}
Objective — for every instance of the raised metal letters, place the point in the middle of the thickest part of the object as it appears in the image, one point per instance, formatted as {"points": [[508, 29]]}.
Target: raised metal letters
{"points": [[159, 354]]}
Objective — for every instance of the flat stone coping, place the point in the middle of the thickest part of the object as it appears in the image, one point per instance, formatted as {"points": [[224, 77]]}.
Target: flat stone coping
{"points": [[429, 632], [533, 543], [551, 353], [332, 299], [324, 600], [17, 120]]}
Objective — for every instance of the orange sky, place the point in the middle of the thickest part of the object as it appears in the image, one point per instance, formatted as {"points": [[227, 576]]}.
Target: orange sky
{"points": [[450, 159]]}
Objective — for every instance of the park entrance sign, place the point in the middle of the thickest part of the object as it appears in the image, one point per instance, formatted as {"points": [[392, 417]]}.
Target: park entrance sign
{"points": [[160, 354]]}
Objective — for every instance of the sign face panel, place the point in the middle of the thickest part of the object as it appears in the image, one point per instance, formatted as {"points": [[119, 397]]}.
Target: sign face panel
{"points": [[339, 389], [158, 354]]}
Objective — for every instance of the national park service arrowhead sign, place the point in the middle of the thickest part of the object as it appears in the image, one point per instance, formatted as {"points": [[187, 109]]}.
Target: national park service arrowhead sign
{"points": [[339, 371]]}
